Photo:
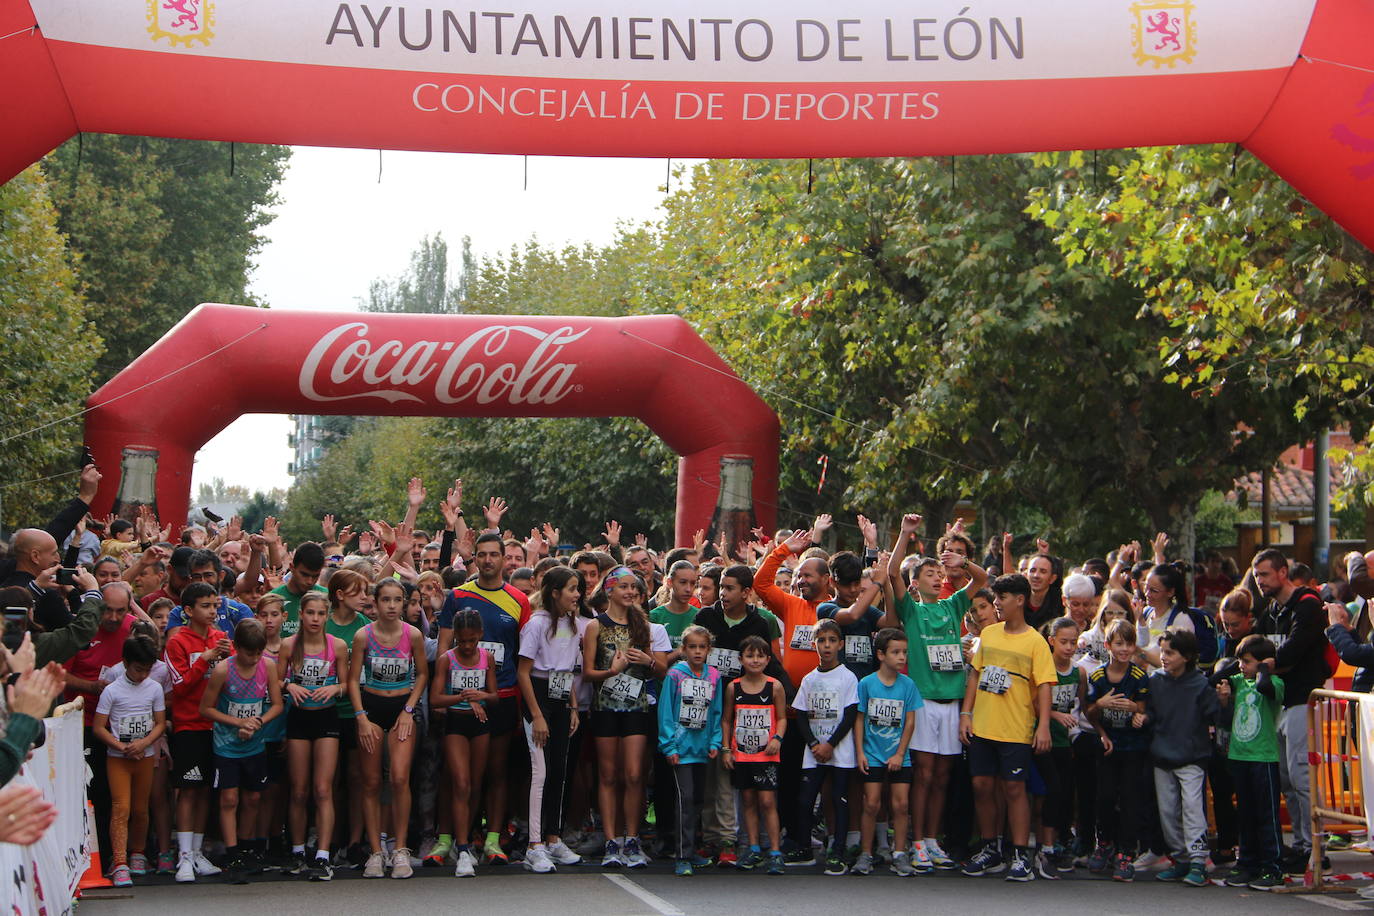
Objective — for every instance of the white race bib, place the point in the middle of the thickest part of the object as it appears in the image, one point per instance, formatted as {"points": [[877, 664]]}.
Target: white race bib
{"points": [[885, 712], [560, 685], [994, 680], [497, 650], [858, 650], [313, 673], [824, 706], [246, 709], [803, 637], [621, 689], [753, 727], [726, 661], [388, 669], [945, 657], [135, 726], [1062, 698], [460, 679], [695, 702]]}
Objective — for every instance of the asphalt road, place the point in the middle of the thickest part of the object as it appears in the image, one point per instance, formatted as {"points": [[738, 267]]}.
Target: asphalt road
{"points": [[588, 891]]}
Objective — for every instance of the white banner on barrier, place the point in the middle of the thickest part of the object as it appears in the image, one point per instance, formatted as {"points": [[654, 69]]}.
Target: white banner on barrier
{"points": [[42, 878]]}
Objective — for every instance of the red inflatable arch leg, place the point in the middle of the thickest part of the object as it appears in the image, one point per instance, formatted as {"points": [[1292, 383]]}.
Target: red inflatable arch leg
{"points": [[222, 361]]}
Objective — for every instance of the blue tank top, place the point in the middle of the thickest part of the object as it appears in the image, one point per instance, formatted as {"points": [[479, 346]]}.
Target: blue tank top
{"points": [[241, 698], [388, 667]]}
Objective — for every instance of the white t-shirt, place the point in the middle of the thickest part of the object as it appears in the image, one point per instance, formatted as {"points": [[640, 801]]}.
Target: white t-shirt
{"points": [[160, 673], [659, 641], [130, 708], [824, 696]]}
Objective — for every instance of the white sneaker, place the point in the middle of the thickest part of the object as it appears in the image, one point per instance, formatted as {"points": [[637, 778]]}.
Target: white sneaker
{"points": [[537, 860], [1148, 860], [186, 868], [938, 857], [400, 863], [204, 867], [562, 855], [464, 868], [374, 867], [920, 858]]}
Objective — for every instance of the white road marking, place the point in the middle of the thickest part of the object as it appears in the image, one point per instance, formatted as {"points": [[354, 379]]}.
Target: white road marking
{"points": [[661, 906], [1336, 903]]}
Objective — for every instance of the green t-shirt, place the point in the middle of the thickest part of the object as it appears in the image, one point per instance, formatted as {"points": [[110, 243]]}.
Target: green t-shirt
{"points": [[934, 657], [673, 623], [292, 605], [345, 632], [1254, 734], [1063, 698]]}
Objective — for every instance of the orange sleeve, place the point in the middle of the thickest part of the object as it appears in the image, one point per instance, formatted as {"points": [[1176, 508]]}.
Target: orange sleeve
{"points": [[774, 598]]}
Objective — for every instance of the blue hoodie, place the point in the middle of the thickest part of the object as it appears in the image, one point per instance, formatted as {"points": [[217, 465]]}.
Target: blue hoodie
{"points": [[691, 730]]}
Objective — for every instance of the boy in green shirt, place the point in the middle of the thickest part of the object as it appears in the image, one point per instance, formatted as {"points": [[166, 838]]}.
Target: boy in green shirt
{"points": [[1255, 696], [936, 664], [677, 615]]}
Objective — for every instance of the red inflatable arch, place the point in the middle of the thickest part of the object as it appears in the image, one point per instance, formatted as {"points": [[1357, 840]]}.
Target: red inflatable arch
{"points": [[246, 360]]}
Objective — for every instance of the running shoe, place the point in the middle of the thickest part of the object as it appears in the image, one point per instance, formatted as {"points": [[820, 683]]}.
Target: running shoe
{"points": [[400, 863], [236, 868], [439, 852], [1020, 869], [632, 854], [166, 863], [138, 864], [1175, 872], [683, 868], [938, 857], [799, 858], [186, 868], [612, 858], [1148, 860], [700, 861], [320, 870], [1240, 877], [727, 857], [374, 867], [493, 852], [1124, 870], [750, 859], [919, 860], [1267, 881], [1101, 859], [1044, 865], [561, 854], [988, 861], [119, 877], [537, 860], [204, 867], [1197, 875], [466, 866], [902, 866], [776, 866], [834, 865], [299, 864], [863, 865]]}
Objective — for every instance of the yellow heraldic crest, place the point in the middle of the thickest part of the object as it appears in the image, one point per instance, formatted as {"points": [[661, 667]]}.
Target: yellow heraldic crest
{"points": [[1164, 32], [181, 22]]}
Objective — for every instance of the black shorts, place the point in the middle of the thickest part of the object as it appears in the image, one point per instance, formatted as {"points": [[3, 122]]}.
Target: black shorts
{"points": [[503, 716], [883, 774], [762, 776], [1004, 759], [465, 724], [246, 773], [275, 754], [384, 711], [193, 759], [304, 724], [608, 724]]}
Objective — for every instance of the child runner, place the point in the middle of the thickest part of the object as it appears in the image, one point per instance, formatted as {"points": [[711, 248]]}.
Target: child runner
{"points": [[240, 699], [888, 701], [689, 710], [855, 610], [314, 667], [385, 681], [619, 657], [550, 650], [677, 615], [1182, 709], [192, 650], [753, 720], [1116, 697], [826, 705], [1066, 703], [464, 683], [1254, 695], [265, 843], [1005, 721], [937, 667], [347, 594], [129, 719]]}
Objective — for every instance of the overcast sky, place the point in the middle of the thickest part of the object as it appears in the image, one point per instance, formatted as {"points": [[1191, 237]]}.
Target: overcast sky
{"points": [[338, 228]]}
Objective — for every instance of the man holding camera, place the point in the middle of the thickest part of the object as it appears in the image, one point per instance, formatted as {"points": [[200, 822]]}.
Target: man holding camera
{"points": [[35, 559]]}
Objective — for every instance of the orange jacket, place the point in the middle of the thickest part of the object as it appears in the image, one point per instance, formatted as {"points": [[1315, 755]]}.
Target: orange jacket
{"points": [[793, 611]]}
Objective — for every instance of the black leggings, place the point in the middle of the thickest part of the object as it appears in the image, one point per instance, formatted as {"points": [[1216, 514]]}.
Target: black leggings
{"points": [[1087, 751], [689, 781], [1119, 776], [1056, 770], [549, 764], [812, 780]]}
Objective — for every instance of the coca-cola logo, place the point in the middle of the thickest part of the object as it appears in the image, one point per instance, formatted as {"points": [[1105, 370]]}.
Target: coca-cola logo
{"points": [[345, 360]]}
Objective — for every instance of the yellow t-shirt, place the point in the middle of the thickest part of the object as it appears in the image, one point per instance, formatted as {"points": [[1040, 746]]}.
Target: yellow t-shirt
{"points": [[1009, 669]]}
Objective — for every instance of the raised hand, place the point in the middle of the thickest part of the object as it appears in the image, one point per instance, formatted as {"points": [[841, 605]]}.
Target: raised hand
{"points": [[366, 543], [345, 535], [911, 523], [642, 540], [552, 536], [798, 541], [270, 530], [1160, 542], [90, 482], [235, 530], [536, 545], [383, 532], [612, 532], [1042, 547], [328, 527], [415, 493], [404, 539], [869, 530], [496, 507], [698, 540], [823, 523]]}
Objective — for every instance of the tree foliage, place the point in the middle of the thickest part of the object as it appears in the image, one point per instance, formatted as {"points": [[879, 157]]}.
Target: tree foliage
{"points": [[160, 226], [47, 352]]}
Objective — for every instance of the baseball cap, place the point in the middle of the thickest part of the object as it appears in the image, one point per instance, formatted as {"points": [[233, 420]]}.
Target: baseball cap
{"points": [[181, 559]]}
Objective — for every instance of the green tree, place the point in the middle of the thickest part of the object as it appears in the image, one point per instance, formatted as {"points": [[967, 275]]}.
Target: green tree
{"points": [[159, 227], [47, 353], [259, 507]]}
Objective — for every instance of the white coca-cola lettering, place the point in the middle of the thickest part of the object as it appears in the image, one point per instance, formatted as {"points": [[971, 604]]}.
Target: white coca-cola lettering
{"points": [[470, 371]]}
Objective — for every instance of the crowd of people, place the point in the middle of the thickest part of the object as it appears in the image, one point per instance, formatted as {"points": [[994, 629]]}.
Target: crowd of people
{"points": [[394, 699]]}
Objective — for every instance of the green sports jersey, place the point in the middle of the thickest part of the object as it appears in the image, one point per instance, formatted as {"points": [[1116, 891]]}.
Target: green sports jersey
{"points": [[1064, 699], [935, 660], [1254, 734], [345, 632], [673, 623]]}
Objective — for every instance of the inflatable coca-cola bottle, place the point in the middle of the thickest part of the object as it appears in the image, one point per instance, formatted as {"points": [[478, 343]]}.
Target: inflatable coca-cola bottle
{"points": [[137, 481], [734, 516]]}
